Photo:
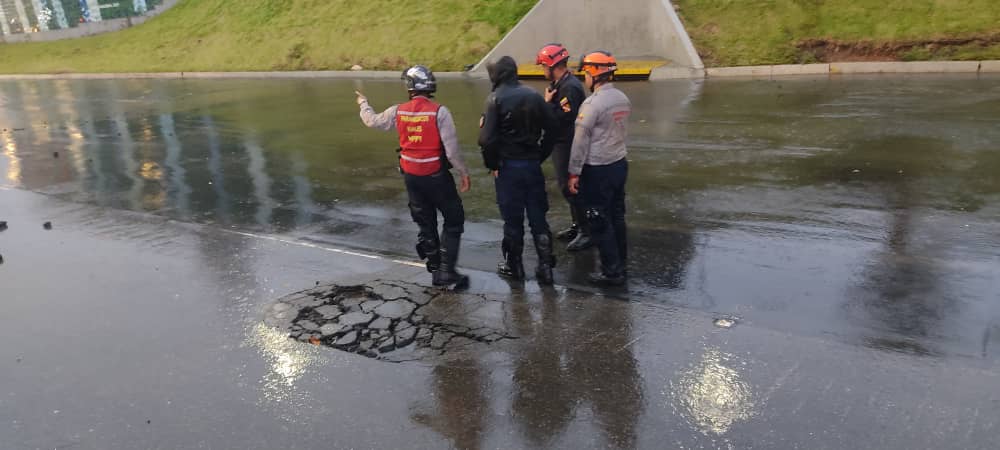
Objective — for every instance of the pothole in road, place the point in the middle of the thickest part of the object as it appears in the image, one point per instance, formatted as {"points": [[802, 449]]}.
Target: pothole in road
{"points": [[382, 320]]}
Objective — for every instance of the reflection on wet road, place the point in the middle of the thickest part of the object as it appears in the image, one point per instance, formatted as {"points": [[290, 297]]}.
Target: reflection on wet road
{"points": [[712, 394], [856, 207]]}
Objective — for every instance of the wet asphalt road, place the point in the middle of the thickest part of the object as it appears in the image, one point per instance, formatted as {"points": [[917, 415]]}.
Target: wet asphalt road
{"points": [[849, 224]]}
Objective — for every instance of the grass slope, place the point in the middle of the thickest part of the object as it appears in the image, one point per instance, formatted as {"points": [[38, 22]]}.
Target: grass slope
{"points": [[749, 32], [251, 35]]}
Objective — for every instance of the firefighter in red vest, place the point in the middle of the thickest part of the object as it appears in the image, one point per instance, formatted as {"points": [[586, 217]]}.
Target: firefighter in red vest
{"points": [[428, 148]]}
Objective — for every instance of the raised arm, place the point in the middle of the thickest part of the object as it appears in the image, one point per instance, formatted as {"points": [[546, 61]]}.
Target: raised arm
{"points": [[385, 121], [449, 137]]}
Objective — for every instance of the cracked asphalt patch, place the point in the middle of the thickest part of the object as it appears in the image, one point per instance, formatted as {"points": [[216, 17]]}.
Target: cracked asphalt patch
{"points": [[387, 320]]}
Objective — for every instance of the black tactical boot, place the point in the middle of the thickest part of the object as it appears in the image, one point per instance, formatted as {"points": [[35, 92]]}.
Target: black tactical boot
{"points": [[568, 234], [606, 279], [434, 261], [512, 267], [546, 260], [582, 242], [429, 249], [446, 275]]}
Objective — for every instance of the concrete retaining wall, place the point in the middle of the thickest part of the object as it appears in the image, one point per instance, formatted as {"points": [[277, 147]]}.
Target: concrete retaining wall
{"points": [[989, 67], [907, 67], [627, 28], [832, 69], [88, 29]]}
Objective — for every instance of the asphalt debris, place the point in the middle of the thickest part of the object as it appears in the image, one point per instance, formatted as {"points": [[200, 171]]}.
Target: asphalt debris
{"points": [[381, 320], [725, 322]]}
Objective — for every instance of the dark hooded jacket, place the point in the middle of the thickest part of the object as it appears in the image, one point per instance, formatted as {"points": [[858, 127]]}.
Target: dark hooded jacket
{"points": [[515, 119]]}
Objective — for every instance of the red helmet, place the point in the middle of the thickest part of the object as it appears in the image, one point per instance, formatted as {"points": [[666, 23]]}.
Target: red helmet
{"points": [[551, 55], [598, 64]]}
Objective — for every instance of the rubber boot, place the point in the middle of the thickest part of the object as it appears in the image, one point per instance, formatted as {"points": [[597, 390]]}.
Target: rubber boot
{"points": [[446, 275], [512, 267], [546, 260]]}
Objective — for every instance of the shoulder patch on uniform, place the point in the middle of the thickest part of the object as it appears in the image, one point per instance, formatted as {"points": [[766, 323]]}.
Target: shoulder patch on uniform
{"points": [[566, 107]]}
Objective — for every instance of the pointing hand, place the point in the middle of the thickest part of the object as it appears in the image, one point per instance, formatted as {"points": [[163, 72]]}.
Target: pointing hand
{"points": [[549, 94]]}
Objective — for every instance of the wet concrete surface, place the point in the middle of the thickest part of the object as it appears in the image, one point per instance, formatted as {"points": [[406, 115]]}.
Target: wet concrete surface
{"points": [[848, 226], [156, 336]]}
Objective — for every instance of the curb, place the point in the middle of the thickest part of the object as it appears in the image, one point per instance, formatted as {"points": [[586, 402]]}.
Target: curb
{"points": [[831, 69]]}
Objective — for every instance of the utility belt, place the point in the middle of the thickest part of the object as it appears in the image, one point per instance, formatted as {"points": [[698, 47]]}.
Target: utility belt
{"points": [[520, 163]]}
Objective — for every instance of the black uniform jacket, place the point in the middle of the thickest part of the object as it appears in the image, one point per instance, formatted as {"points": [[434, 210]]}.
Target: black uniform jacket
{"points": [[515, 119]]}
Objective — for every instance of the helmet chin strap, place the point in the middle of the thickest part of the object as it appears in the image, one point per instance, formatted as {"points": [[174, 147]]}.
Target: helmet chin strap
{"points": [[598, 83], [601, 81]]}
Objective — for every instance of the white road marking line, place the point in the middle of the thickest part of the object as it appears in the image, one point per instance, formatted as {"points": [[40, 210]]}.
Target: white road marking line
{"points": [[323, 247]]}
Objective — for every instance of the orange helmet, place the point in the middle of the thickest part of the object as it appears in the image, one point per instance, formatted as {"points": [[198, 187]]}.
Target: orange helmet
{"points": [[551, 55], [599, 64]]}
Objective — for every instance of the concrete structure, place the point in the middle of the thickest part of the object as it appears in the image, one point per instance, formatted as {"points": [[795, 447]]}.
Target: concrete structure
{"points": [[630, 29], [989, 67], [745, 71], [906, 67], [799, 69], [831, 69]]}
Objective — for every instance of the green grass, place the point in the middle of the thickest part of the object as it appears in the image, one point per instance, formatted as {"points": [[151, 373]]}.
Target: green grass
{"points": [[751, 32], [253, 35]]}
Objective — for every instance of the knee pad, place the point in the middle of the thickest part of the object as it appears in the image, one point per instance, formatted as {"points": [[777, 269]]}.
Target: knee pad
{"points": [[420, 213], [427, 248], [596, 220]]}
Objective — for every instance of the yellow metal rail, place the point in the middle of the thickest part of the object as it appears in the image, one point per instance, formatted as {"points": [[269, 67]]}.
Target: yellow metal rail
{"points": [[627, 70]]}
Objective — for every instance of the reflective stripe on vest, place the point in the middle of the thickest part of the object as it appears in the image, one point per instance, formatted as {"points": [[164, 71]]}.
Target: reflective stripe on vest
{"points": [[419, 138], [415, 160]]}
